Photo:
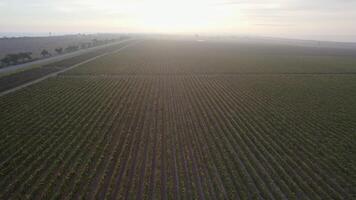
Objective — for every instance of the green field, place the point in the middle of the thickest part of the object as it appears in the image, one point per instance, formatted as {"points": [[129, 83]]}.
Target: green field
{"points": [[214, 58], [170, 119]]}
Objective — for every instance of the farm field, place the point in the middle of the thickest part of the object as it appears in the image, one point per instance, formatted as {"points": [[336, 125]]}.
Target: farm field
{"points": [[218, 58], [169, 119], [15, 79]]}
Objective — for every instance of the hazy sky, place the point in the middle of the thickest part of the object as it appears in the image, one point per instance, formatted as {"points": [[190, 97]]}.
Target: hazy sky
{"points": [[310, 19]]}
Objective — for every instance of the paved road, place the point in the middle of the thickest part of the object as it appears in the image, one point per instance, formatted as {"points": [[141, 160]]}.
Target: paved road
{"points": [[56, 58], [133, 42]]}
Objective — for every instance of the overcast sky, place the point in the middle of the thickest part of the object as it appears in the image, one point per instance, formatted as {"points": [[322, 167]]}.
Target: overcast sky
{"points": [[307, 19]]}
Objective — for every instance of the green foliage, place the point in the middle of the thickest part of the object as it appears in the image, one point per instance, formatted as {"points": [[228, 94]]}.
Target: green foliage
{"points": [[173, 133]]}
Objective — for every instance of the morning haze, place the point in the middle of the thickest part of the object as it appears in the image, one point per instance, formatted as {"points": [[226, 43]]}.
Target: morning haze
{"points": [[319, 20], [157, 99]]}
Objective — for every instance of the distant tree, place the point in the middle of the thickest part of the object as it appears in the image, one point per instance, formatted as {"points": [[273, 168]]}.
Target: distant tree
{"points": [[13, 58], [6, 61], [95, 42], [72, 48], [59, 50], [83, 45], [24, 56], [45, 53], [28, 55], [21, 57], [16, 58]]}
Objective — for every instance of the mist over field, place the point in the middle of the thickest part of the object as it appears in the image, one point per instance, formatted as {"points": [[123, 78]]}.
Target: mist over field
{"points": [[189, 99], [301, 19]]}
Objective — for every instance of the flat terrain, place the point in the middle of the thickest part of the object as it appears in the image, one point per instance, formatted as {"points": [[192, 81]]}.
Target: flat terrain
{"points": [[217, 58], [18, 78], [37, 44], [175, 119]]}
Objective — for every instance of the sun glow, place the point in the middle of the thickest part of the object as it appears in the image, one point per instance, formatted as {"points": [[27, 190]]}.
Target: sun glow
{"points": [[170, 16], [182, 17], [160, 16]]}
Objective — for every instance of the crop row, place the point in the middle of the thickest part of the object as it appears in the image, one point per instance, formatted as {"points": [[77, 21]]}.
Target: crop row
{"points": [[189, 57], [166, 137]]}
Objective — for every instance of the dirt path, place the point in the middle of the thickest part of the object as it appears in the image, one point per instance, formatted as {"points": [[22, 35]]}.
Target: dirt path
{"points": [[66, 69], [49, 60]]}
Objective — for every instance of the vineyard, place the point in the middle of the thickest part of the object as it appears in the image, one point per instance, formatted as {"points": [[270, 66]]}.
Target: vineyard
{"points": [[17, 79], [219, 58], [185, 120]]}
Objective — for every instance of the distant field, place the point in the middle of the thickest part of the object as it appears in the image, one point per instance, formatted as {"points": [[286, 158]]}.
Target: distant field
{"points": [[186, 120], [191, 57]]}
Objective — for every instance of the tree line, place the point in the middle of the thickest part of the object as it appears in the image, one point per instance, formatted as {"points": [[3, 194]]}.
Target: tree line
{"points": [[23, 57]]}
